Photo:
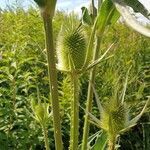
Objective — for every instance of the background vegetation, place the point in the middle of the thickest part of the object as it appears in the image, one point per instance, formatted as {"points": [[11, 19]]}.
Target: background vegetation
{"points": [[23, 77]]}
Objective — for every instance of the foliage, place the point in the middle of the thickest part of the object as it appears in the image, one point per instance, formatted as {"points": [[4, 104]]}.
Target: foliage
{"points": [[23, 68]]}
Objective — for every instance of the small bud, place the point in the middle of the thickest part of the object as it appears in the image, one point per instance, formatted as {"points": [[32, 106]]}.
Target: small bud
{"points": [[41, 111]]}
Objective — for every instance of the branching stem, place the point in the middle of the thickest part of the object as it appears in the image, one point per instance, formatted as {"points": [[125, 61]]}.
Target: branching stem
{"points": [[112, 143], [90, 96], [46, 138]]}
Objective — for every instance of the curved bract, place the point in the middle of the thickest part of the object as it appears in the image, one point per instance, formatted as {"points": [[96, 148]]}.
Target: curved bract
{"points": [[71, 47]]}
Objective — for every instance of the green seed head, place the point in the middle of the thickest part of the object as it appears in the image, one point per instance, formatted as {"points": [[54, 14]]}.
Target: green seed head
{"points": [[71, 47], [114, 119]]}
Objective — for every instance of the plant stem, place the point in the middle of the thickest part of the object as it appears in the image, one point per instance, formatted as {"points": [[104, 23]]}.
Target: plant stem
{"points": [[93, 9], [90, 96], [112, 143], [74, 132], [14, 93], [52, 73], [46, 138], [99, 4]]}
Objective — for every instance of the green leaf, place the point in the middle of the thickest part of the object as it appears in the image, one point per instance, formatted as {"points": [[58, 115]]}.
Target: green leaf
{"points": [[91, 139], [125, 86], [135, 120], [93, 118], [129, 18], [114, 16], [86, 18], [101, 141], [96, 62], [107, 14], [100, 107], [146, 135]]}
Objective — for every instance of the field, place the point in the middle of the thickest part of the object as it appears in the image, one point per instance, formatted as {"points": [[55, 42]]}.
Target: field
{"points": [[24, 83]]}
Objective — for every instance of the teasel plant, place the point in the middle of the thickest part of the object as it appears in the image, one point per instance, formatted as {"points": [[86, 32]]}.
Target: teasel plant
{"points": [[106, 16], [47, 9], [71, 52], [114, 116], [42, 115], [109, 11], [76, 55]]}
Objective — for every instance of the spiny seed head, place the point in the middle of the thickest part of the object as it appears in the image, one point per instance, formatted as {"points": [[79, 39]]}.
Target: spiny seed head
{"points": [[71, 47], [114, 119]]}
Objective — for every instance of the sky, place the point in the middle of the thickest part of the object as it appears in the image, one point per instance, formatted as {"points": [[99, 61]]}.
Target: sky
{"points": [[67, 5]]}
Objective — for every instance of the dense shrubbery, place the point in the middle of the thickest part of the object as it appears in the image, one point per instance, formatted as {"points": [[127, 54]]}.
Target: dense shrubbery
{"points": [[23, 77]]}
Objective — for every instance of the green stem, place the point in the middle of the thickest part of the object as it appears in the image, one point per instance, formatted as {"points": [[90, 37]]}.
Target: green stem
{"points": [[90, 96], [14, 93], [112, 143], [99, 4], [74, 132], [52, 72], [93, 9], [46, 138]]}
